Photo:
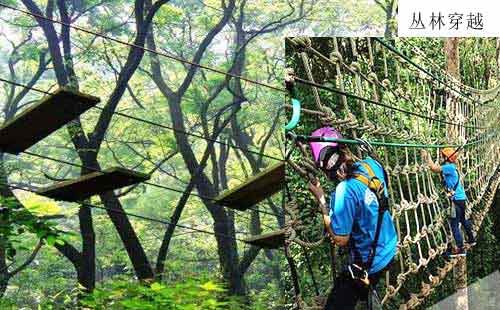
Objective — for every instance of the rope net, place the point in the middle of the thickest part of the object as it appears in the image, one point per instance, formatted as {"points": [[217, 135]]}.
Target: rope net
{"points": [[366, 88]]}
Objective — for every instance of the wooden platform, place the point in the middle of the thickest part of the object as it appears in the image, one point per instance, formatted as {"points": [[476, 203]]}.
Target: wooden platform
{"points": [[41, 119], [92, 184], [272, 240], [255, 189]]}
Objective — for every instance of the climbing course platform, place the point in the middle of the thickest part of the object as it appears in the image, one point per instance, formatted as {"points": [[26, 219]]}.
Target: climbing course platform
{"points": [[272, 240], [255, 189], [40, 120], [92, 184]]}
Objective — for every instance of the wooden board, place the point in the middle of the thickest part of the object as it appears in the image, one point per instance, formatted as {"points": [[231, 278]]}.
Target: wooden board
{"points": [[272, 240], [92, 184], [255, 189], [41, 119]]}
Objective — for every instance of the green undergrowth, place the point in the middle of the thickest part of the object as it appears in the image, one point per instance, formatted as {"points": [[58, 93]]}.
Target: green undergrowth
{"points": [[119, 293]]}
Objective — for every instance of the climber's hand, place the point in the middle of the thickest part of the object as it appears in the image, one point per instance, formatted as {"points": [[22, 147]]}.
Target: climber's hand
{"points": [[424, 154], [317, 191]]}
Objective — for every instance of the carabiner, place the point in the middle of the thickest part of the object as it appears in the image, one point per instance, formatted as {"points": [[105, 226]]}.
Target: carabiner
{"points": [[295, 115]]}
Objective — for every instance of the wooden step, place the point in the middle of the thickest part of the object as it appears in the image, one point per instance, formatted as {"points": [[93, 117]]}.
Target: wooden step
{"points": [[92, 184], [272, 240], [255, 189], [41, 119]]}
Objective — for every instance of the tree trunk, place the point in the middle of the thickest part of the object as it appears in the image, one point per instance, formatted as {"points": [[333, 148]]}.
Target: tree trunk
{"points": [[453, 68], [4, 272], [223, 221], [497, 58], [131, 242], [88, 147], [389, 13], [223, 224]]}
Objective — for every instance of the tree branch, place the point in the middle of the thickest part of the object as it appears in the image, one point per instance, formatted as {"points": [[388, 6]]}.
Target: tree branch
{"points": [[28, 260]]}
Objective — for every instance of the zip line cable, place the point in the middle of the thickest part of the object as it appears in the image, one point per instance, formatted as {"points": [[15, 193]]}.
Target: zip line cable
{"points": [[157, 124], [176, 58], [347, 94], [146, 182]]}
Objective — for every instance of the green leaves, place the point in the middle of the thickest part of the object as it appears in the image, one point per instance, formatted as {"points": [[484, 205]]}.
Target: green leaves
{"points": [[17, 222], [190, 294]]}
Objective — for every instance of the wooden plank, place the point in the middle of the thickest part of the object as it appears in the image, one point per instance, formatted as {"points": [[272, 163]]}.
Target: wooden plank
{"points": [[92, 184], [272, 240], [255, 189], [41, 119]]}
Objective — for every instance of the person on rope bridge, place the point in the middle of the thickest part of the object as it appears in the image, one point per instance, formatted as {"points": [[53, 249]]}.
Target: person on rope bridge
{"points": [[456, 194], [358, 218]]}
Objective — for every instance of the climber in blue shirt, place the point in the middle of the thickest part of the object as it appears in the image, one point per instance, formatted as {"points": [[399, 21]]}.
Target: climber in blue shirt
{"points": [[455, 192], [358, 208], [348, 218]]}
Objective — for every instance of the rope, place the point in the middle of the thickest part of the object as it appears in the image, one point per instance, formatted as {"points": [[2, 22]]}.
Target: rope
{"points": [[421, 221], [334, 90]]}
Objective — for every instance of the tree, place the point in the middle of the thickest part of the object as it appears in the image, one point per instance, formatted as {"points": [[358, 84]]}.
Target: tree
{"points": [[88, 144], [388, 6], [17, 61], [233, 268]]}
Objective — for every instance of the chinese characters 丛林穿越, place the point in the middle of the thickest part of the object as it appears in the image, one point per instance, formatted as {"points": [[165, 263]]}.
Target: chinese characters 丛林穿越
{"points": [[451, 21]]}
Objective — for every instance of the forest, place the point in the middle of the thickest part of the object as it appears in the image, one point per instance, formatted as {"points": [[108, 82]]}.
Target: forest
{"points": [[186, 98], [190, 98]]}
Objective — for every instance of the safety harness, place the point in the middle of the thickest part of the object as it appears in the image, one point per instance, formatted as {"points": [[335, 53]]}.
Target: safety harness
{"points": [[450, 191], [358, 269]]}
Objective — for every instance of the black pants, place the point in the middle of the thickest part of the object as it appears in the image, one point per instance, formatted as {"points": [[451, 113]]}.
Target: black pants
{"points": [[347, 292]]}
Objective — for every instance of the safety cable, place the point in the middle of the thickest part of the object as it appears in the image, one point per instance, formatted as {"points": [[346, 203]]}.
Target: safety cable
{"points": [[419, 51], [347, 94], [173, 57], [155, 123], [389, 144], [453, 80]]}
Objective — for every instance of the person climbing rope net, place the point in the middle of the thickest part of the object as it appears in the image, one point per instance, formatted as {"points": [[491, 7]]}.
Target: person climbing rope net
{"points": [[456, 194], [358, 218]]}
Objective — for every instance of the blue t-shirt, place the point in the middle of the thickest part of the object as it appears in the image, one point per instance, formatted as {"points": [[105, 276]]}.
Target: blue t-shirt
{"points": [[450, 175], [354, 212]]}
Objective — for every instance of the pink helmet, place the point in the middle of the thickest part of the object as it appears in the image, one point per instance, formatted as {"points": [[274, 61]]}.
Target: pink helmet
{"points": [[321, 149]]}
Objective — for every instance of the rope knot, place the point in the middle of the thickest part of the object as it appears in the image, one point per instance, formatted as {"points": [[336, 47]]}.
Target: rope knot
{"points": [[355, 66], [336, 57], [386, 83], [304, 42], [372, 77], [328, 116]]}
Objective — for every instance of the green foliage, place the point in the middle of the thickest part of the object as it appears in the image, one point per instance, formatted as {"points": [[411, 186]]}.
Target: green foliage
{"points": [[188, 295], [8, 304], [17, 221], [179, 28]]}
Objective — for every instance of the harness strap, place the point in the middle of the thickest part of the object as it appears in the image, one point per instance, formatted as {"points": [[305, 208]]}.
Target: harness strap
{"points": [[451, 191], [377, 187]]}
